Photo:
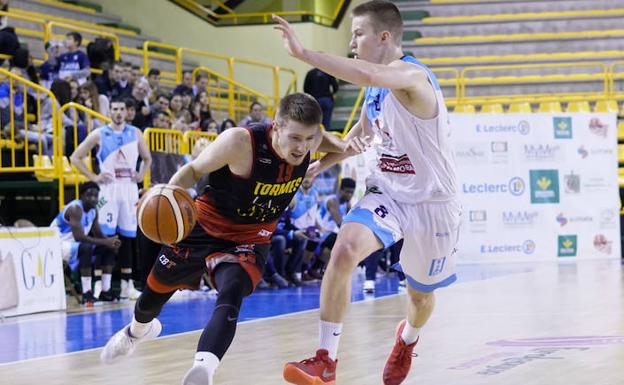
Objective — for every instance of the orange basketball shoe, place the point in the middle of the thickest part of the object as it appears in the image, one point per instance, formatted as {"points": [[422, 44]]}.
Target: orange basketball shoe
{"points": [[400, 360], [318, 370]]}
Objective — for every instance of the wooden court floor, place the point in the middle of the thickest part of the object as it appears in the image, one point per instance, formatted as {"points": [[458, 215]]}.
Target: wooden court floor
{"points": [[561, 324]]}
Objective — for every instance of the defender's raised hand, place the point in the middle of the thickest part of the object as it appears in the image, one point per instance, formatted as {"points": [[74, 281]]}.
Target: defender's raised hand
{"points": [[291, 42]]}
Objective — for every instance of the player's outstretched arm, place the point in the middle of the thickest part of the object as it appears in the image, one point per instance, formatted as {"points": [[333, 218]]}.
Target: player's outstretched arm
{"points": [[393, 76], [223, 151]]}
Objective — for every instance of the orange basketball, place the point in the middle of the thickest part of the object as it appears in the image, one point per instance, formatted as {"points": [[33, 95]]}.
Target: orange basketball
{"points": [[166, 214]]}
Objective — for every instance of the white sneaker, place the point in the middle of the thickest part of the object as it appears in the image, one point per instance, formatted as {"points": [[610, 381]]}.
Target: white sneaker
{"points": [[97, 288], [123, 344], [369, 286], [128, 291], [198, 375]]}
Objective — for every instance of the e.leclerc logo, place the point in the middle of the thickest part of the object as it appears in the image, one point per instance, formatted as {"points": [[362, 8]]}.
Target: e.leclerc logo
{"points": [[515, 187]]}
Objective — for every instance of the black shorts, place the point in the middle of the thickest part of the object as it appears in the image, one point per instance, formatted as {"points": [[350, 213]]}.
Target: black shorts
{"points": [[329, 242], [181, 266]]}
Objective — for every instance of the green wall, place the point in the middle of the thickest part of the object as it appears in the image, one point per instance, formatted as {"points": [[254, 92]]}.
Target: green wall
{"points": [[174, 25]]}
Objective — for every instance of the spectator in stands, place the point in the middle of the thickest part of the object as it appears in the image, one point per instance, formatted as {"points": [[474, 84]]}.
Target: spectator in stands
{"points": [[91, 99], [201, 108], [227, 123], [255, 116], [322, 87], [123, 87], [131, 110], [187, 100], [210, 126], [74, 89], [106, 81], [161, 104], [101, 53], [4, 20], [62, 93], [331, 212], [305, 218], [135, 73], [153, 78], [83, 243], [181, 118], [201, 83], [161, 119], [140, 91], [74, 63], [187, 83], [13, 108], [286, 235], [49, 69]]}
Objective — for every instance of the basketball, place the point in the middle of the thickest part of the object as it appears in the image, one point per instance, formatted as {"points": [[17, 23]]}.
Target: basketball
{"points": [[166, 214]]}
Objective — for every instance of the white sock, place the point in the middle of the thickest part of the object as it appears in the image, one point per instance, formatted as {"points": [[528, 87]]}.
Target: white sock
{"points": [[139, 329], [106, 282], [207, 359], [410, 333], [86, 284], [329, 334]]}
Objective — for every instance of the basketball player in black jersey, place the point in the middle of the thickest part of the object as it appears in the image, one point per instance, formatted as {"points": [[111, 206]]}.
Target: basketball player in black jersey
{"points": [[253, 175]]}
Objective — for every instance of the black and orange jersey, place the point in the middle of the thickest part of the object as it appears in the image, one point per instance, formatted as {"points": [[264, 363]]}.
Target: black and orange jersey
{"points": [[247, 209]]}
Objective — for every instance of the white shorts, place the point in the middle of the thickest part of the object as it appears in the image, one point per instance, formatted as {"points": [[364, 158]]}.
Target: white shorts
{"points": [[430, 232], [117, 208]]}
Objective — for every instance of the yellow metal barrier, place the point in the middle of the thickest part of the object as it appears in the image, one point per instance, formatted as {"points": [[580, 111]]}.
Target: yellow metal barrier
{"points": [[177, 60], [354, 111], [30, 19], [47, 17], [226, 66], [235, 98], [18, 142], [69, 174], [72, 27], [62, 4], [247, 17], [163, 140], [192, 137]]}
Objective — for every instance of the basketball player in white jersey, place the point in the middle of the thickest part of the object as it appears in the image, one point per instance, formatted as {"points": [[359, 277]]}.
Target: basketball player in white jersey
{"points": [[412, 191], [119, 147]]}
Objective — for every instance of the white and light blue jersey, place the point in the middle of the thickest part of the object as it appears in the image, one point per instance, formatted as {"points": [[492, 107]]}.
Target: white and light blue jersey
{"points": [[88, 217], [325, 218], [415, 161], [119, 151]]}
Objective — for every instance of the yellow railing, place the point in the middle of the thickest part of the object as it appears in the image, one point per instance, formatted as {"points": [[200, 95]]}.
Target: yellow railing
{"points": [[192, 137], [354, 111], [47, 17], [30, 19], [68, 174], [49, 34], [167, 77], [234, 97], [163, 140], [265, 17], [18, 142]]}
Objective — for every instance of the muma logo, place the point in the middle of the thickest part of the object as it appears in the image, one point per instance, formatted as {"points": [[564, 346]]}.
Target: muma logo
{"points": [[566, 246], [544, 186], [563, 128]]}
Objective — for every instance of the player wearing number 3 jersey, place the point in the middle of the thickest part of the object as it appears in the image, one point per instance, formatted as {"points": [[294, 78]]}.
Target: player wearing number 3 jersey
{"points": [[411, 193]]}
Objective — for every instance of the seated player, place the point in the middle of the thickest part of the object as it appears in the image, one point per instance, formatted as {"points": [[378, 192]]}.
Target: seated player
{"points": [[77, 219]]}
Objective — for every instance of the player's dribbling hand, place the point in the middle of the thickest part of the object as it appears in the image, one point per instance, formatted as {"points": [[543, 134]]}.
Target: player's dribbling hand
{"points": [[357, 145], [104, 178], [291, 42]]}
